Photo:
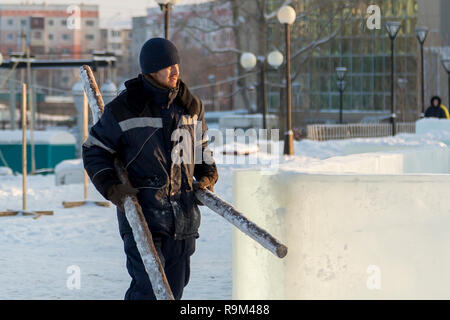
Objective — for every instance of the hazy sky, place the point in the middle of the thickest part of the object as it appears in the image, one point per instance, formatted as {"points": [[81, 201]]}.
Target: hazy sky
{"points": [[112, 12]]}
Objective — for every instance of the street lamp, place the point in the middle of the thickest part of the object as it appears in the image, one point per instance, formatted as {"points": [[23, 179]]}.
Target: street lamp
{"points": [[286, 15], [392, 28], [421, 33], [166, 6], [341, 71], [275, 59], [249, 61], [446, 64]]}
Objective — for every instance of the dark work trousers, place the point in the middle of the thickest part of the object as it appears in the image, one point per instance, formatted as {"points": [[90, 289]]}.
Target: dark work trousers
{"points": [[175, 258]]}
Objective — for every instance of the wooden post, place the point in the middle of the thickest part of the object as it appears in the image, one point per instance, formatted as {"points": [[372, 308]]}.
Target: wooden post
{"points": [[85, 135], [84, 132], [32, 112], [9, 212], [24, 146]]}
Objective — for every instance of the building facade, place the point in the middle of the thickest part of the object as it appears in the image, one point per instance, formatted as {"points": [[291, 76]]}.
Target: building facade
{"points": [[51, 32], [49, 29], [366, 53], [118, 41]]}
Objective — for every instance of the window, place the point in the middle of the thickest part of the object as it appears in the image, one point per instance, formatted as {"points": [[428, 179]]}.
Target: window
{"points": [[65, 36], [10, 22], [90, 23], [64, 22], [51, 22], [37, 35], [23, 22], [89, 37], [10, 36], [50, 36]]}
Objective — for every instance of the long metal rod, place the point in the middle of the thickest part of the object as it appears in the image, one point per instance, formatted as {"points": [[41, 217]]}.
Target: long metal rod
{"points": [[24, 146], [394, 131], [289, 136], [263, 92], [166, 20], [227, 211], [32, 112], [422, 71], [340, 107]]}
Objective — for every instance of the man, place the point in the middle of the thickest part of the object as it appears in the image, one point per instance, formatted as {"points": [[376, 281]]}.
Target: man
{"points": [[139, 127], [437, 110]]}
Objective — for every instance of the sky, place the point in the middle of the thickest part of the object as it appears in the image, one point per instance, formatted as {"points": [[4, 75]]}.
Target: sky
{"points": [[113, 13]]}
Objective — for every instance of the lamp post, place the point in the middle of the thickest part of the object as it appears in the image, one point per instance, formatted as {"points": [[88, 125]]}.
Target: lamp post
{"points": [[286, 15], [166, 6], [341, 71], [446, 65], [249, 61], [392, 28], [421, 33]]}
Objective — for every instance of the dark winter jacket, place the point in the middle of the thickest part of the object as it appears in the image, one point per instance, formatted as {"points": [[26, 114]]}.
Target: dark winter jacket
{"points": [[136, 127], [435, 112]]}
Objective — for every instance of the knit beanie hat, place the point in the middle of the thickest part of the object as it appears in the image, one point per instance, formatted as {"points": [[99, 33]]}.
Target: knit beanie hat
{"points": [[157, 54]]}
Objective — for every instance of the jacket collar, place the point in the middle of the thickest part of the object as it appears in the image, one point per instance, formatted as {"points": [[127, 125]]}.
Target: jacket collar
{"points": [[140, 94]]}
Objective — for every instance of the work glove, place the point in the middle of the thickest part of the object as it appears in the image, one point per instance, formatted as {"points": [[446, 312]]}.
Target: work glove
{"points": [[117, 193], [204, 183]]}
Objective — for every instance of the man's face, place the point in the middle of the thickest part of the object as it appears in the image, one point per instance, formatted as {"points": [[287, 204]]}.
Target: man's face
{"points": [[167, 77], [436, 102]]}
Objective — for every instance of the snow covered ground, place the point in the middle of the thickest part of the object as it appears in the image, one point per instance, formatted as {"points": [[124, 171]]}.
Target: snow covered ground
{"points": [[35, 254]]}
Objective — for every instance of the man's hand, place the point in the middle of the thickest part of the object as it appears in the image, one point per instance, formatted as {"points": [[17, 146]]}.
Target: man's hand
{"points": [[204, 183], [117, 192]]}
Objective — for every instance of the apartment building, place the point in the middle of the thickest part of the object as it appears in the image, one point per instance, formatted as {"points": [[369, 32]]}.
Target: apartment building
{"points": [[71, 30]]}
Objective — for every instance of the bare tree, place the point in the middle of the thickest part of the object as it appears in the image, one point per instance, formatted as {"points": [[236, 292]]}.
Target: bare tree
{"points": [[255, 28]]}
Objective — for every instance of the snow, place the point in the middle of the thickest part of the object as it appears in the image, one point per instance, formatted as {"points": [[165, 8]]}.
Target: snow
{"points": [[69, 172], [92, 92], [75, 164], [36, 254], [5, 171]]}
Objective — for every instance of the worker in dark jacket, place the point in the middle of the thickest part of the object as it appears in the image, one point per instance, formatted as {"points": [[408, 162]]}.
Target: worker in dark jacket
{"points": [[436, 110], [155, 127]]}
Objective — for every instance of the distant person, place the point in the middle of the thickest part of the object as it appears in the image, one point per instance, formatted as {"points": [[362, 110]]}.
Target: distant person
{"points": [[437, 110]]}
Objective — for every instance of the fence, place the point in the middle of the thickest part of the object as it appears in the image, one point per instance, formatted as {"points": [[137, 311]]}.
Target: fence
{"points": [[322, 132]]}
